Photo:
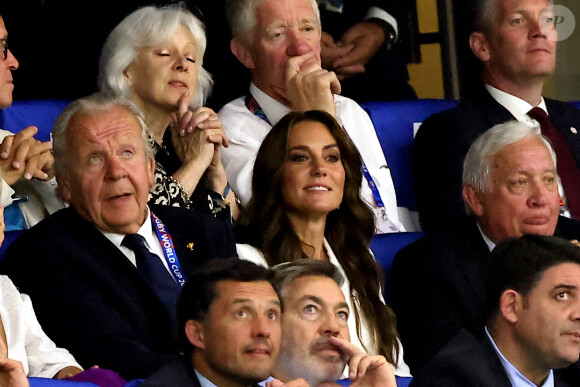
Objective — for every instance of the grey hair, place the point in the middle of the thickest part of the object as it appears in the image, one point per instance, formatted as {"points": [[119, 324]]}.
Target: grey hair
{"points": [[94, 103], [478, 161], [144, 27], [285, 273], [241, 17]]}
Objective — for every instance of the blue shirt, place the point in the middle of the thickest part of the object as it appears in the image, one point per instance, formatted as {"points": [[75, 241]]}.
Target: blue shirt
{"points": [[516, 378]]}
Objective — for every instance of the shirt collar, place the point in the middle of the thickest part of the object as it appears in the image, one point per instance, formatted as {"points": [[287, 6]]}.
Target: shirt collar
{"points": [[203, 381], [146, 231], [516, 106], [516, 378], [488, 242], [273, 109]]}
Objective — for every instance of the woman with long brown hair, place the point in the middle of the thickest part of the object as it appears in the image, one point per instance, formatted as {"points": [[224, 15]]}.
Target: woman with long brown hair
{"points": [[306, 204]]}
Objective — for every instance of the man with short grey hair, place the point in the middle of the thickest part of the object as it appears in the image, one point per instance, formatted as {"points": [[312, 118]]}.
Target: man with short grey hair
{"points": [[105, 273], [510, 185], [279, 42]]}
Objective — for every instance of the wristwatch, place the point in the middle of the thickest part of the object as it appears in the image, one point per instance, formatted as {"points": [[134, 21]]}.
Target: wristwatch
{"points": [[388, 30]]}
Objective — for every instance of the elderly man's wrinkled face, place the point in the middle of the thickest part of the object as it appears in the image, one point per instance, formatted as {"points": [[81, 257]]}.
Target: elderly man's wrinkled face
{"points": [[7, 65], [314, 310], [524, 196], [110, 175], [284, 29]]}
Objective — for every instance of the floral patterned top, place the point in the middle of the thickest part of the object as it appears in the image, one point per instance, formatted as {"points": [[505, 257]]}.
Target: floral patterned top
{"points": [[168, 191]]}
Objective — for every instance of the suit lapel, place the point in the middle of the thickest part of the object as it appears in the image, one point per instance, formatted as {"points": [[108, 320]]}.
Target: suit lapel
{"points": [[473, 253], [493, 111], [113, 272]]}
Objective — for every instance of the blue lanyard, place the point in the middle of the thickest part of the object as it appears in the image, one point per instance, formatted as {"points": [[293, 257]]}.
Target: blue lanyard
{"points": [[254, 107], [375, 190], [168, 250]]}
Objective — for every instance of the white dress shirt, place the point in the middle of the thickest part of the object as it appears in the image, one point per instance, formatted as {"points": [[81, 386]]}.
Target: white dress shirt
{"points": [[246, 132], [151, 242], [27, 342]]}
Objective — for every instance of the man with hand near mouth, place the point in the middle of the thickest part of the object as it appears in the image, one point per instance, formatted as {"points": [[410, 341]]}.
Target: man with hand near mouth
{"points": [[315, 345]]}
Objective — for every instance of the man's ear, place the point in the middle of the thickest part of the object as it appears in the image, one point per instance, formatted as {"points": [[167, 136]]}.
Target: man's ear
{"points": [[63, 188], [480, 46], [242, 52], [510, 304], [473, 197], [194, 333], [151, 171]]}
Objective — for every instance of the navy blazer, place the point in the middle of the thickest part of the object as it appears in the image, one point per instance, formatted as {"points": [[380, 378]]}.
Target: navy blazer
{"points": [[443, 141], [470, 360], [437, 286], [177, 373], [90, 299]]}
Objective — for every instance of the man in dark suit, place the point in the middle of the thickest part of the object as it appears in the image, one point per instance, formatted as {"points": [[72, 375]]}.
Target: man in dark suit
{"points": [[105, 273], [532, 328], [366, 43], [229, 328], [516, 43], [436, 285]]}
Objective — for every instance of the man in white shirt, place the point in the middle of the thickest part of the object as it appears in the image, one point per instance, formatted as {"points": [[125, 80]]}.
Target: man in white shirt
{"points": [[532, 326], [279, 41], [516, 44], [26, 163]]}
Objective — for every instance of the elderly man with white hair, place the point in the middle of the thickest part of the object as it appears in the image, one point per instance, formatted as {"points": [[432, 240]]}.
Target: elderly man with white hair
{"points": [[510, 186]]}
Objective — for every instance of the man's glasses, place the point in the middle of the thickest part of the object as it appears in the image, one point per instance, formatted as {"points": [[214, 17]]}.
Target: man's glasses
{"points": [[4, 50]]}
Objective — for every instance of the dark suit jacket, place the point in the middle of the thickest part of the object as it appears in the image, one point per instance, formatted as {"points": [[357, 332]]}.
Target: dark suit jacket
{"points": [[443, 141], [437, 286], [90, 299], [385, 76], [469, 360], [178, 373]]}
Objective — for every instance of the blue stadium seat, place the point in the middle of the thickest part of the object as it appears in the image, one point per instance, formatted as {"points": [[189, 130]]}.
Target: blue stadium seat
{"points": [[39, 112], [396, 123]]}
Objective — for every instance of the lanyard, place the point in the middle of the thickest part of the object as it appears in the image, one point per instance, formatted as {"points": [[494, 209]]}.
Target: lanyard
{"points": [[168, 250], [254, 107]]}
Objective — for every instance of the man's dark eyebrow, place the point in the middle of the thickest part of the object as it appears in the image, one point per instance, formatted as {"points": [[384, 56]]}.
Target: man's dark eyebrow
{"points": [[243, 300], [565, 287]]}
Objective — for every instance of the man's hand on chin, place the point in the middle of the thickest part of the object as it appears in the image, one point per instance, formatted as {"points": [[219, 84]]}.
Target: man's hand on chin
{"points": [[309, 86]]}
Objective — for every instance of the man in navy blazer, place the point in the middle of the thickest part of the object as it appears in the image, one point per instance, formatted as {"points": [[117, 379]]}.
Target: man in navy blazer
{"points": [[532, 330], [229, 328], [516, 44], [87, 286], [436, 285]]}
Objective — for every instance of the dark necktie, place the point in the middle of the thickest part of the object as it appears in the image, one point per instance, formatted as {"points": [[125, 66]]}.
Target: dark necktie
{"points": [[567, 167], [154, 272]]}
